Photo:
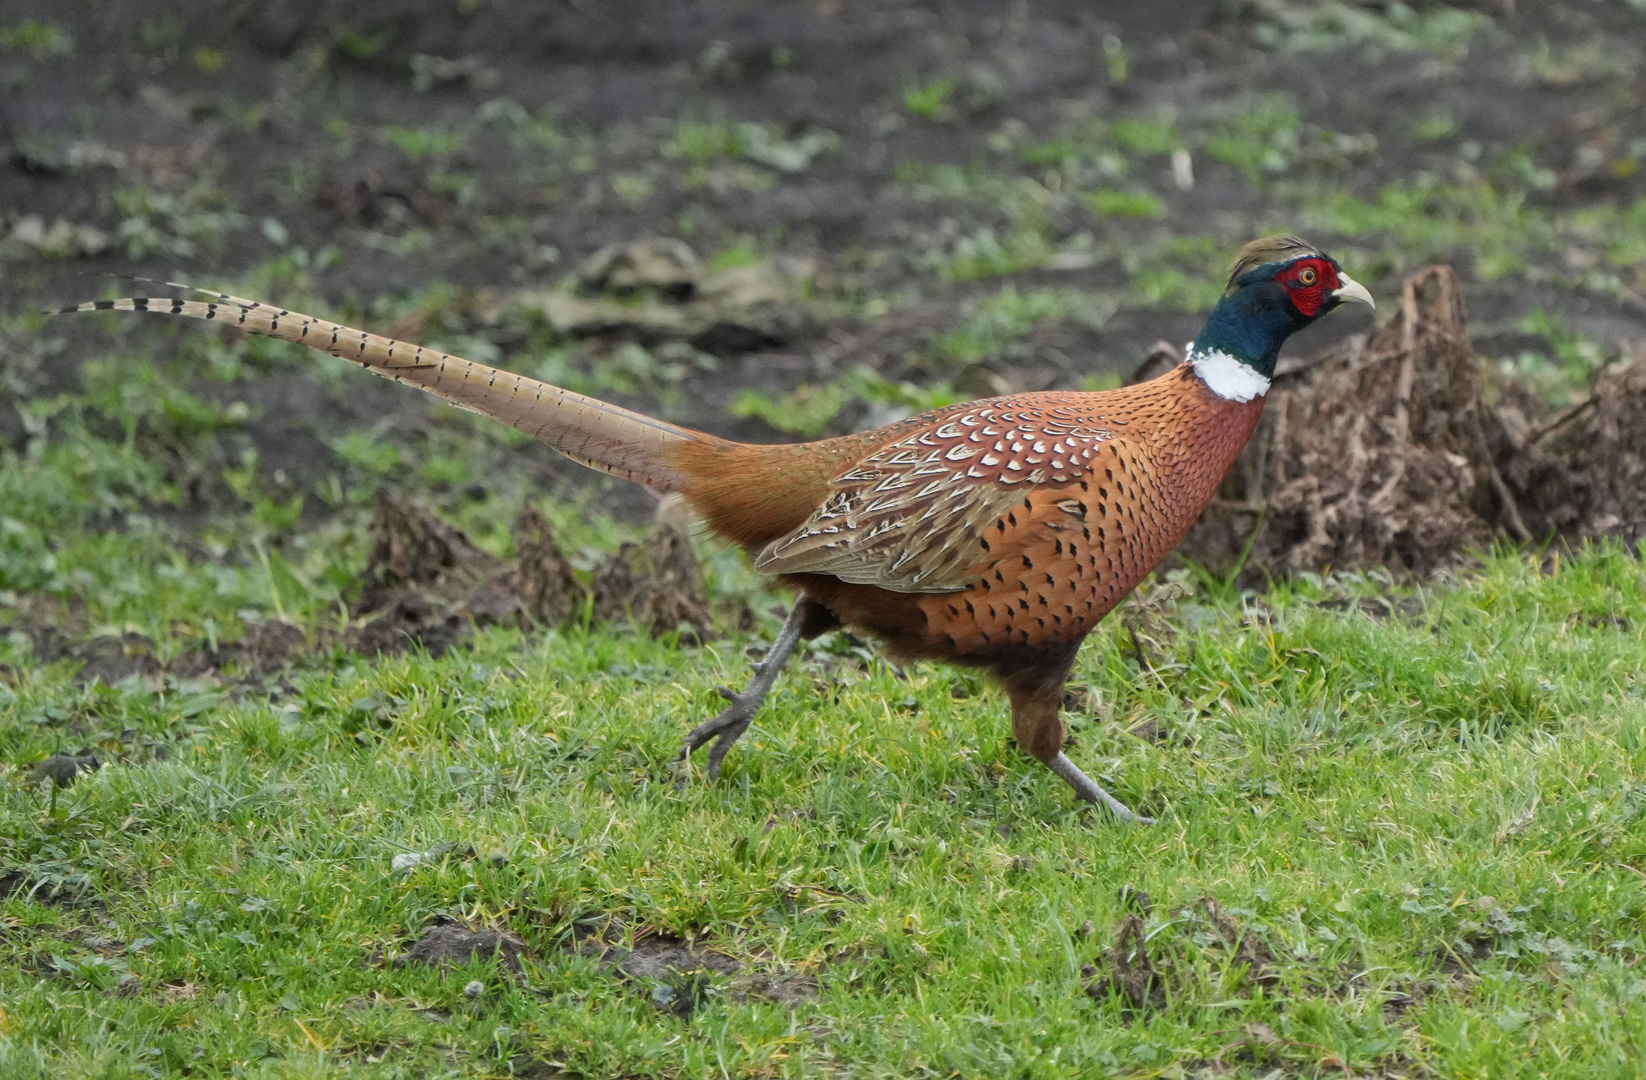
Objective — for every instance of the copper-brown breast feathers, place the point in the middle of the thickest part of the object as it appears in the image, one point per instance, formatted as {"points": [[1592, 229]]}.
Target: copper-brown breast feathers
{"points": [[1062, 558], [911, 517]]}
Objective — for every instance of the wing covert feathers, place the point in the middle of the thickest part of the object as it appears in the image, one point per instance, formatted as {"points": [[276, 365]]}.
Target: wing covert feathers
{"points": [[913, 516], [602, 436]]}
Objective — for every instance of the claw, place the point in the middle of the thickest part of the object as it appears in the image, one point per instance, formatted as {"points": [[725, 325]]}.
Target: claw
{"points": [[733, 720]]}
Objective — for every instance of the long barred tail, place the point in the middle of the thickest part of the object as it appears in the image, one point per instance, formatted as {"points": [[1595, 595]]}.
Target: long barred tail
{"points": [[589, 431]]}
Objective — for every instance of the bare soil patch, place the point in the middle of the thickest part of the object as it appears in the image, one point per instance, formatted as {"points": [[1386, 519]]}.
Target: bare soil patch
{"points": [[455, 944], [262, 650], [684, 975]]}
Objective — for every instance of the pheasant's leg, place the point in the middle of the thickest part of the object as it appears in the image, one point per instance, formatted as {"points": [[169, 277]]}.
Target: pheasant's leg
{"points": [[1037, 696], [1091, 791], [734, 720]]}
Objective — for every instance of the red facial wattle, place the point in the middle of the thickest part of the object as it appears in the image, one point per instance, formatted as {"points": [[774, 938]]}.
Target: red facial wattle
{"points": [[1308, 283]]}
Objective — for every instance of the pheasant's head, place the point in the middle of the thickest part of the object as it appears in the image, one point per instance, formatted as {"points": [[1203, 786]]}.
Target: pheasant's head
{"points": [[1279, 285]]}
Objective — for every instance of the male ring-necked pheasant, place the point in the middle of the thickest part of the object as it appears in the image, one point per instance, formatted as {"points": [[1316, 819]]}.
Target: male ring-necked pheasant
{"points": [[994, 533]]}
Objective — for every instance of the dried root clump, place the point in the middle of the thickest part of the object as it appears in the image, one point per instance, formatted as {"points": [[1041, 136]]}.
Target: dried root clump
{"points": [[427, 584], [544, 583], [1131, 976], [1581, 473], [1144, 974], [656, 584]]}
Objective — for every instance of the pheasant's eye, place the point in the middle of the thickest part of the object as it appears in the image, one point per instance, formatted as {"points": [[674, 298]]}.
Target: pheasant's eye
{"points": [[1307, 276]]}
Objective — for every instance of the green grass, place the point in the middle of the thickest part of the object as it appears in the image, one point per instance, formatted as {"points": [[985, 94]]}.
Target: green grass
{"points": [[704, 142], [1183, 273], [175, 223], [717, 140], [808, 410], [420, 143], [41, 41], [1304, 28], [1426, 827], [1260, 140], [1144, 137], [996, 324], [987, 253], [1428, 219], [927, 100], [1565, 370], [1439, 810], [1128, 204], [1488, 211]]}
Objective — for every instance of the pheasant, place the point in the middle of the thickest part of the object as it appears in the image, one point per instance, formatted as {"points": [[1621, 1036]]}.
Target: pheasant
{"points": [[993, 534]]}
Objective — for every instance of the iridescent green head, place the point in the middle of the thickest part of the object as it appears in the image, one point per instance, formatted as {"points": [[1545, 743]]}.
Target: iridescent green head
{"points": [[1279, 285]]}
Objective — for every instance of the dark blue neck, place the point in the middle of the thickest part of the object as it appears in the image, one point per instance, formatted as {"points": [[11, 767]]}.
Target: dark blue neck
{"points": [[1250, 323]]}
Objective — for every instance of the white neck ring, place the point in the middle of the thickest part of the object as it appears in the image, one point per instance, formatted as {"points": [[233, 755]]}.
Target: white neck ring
{"points": [[1227, 377]]}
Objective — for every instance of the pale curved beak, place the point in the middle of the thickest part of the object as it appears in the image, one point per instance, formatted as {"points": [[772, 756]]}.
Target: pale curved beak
{"points": [[1350, 289]]}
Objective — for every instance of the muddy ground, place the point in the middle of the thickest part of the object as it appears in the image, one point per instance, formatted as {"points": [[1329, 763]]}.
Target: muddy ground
{"points": [[436, 169]]}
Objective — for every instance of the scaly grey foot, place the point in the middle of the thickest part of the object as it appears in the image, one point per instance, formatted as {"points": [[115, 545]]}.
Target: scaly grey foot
{"points": [[1089, 789], [734, 720]]}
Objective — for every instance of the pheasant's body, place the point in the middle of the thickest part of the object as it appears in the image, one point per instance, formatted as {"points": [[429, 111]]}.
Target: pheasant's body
{"points": [[993, 533], [1042, 565], [1086, 493]]}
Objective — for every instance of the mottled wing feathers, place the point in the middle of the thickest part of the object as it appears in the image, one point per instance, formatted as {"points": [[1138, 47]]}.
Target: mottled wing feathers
{"points": [[913, 516]]}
